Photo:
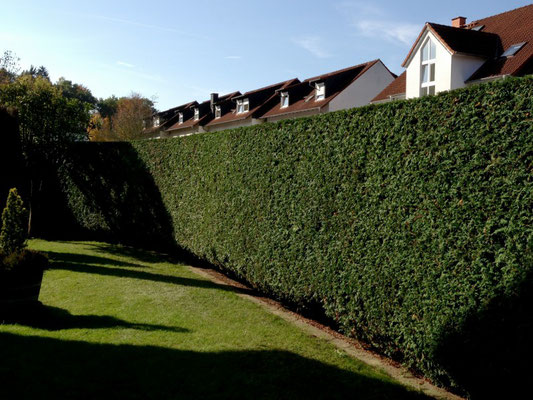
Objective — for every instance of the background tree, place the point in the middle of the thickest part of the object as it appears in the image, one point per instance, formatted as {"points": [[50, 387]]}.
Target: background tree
{"points": [[9, 67], [100, 129], [76, 91], [47, 120], [107, 107], [34, 72], [128, 120], [120, 119]]}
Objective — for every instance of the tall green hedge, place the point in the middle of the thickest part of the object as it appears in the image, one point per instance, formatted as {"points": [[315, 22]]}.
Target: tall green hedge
{"points": [[410, 223]]}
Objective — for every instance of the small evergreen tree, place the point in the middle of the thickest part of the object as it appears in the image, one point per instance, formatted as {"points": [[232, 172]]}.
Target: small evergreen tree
{"points": [[14, 224]]}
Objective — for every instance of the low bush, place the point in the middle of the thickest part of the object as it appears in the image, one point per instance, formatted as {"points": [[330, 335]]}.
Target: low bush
{"points": [[406, 222], [22, 265]]}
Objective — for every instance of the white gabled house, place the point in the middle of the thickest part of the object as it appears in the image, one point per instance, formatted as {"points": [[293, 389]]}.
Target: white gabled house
{"points": [[450, 57]]}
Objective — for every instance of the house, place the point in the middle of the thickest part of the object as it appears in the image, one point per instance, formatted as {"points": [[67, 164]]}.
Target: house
{"points": [[197, 116], [159, 122], [249, 107], [450, 57], [347, 88]]}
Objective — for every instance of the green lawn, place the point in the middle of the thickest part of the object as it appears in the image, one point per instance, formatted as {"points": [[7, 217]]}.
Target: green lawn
{"points": [[122, 323]]}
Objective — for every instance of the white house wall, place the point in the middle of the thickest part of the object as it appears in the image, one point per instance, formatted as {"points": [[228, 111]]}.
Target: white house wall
{"points": [[443, 68], [230, 125], [181, 132], [306, 113], [462, 68], [364, 89]]}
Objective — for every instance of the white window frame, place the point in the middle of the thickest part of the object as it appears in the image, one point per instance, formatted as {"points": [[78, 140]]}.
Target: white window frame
{"points": [[180, 118], [320, 91], [284, 99], [428, 87], [218, 112], [243, 106], [196, 114], [156, 121]]}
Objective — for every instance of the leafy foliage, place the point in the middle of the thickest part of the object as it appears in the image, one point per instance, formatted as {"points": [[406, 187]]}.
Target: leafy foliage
{"points": [[120, 119], [9, 67], [403, 221], [14, 224], [22, 265]]}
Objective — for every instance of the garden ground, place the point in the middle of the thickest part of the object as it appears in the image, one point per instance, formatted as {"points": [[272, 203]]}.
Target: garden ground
{"points": [[117, 322]]}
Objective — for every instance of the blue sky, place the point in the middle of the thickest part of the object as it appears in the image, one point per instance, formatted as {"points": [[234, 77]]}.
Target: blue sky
{"points": [[180, 51]]}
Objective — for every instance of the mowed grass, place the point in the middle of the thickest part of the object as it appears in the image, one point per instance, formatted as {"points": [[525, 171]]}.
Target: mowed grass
{"points": [[122, 323]]}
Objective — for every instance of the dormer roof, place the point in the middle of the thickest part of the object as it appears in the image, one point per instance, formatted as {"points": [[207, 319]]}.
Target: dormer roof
{"points": [[259, 100], [459, 41], [302, 94]]}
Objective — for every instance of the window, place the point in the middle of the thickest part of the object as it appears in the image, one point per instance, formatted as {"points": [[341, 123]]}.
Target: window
{"points": [[218, 112], [427, 70], [180, 118], [478, 28], [243, 106], [196, 114], [511, 51], [320, 91], [284, 99], [156, 121]]}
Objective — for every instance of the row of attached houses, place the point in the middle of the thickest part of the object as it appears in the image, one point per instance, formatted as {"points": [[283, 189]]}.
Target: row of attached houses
{"points": [[442, 58], [347, 88]]}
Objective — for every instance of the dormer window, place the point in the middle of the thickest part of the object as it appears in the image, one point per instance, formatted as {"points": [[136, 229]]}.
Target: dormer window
{"points": [[243, 106], [427, 70], [511, 51], [320, 91], [180, 118], [284, 99], [218, 111], [156, 121], [196, 114]]}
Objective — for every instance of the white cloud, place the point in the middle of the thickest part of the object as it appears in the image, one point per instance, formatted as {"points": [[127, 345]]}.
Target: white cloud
{"points": [[146, 26], [313, 44], [125, 64], [233, 57], [373, 21], [396, 32]]}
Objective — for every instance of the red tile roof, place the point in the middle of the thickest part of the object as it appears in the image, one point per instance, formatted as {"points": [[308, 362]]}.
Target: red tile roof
{"points": [[206, 114], [395, 88], [259, 99], [302, 94], [512, 27]]}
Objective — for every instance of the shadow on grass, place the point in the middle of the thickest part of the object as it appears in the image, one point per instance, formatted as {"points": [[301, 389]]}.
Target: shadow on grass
{"points": [[89, 259], [149, 276], [141, 255], [45, 368], [55, 319]]}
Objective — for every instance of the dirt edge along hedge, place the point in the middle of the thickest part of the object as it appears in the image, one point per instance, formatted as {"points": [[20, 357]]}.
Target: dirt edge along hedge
{"points": [[409, 222]]}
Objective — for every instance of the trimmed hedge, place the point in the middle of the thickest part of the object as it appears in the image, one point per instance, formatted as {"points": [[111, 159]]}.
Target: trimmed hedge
{"points": [[11, 161], [410, 223]]}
